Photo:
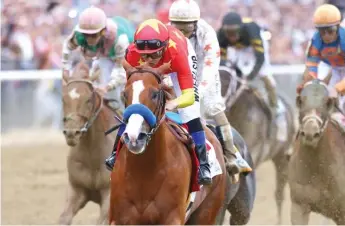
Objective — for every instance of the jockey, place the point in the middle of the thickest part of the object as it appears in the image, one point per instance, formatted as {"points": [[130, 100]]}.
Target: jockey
{"points": [[244, 35], [156, 44], [328, 46], [185, 16], [100, 37]]}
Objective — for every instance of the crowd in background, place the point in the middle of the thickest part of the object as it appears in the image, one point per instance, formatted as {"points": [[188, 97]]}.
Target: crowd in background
{"points": [[32, 33]]}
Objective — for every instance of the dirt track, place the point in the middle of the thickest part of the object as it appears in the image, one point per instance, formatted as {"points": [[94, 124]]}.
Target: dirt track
{"points": [[34, 180]]}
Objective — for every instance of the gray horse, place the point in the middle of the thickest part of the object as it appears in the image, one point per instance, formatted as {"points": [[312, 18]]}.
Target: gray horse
{"points": [[268, 137], [317, 165]]}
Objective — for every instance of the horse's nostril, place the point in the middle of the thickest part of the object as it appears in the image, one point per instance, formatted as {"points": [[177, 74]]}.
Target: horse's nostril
{"points": [[126, 137], [142, 136], [77, 132], [316, 135], [64, 132], [302, 133]]}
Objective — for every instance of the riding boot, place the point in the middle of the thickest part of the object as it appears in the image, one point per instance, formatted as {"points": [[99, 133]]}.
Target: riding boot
{"points": [[235, 163], [272, 95], [204, 174], [110, 161]]}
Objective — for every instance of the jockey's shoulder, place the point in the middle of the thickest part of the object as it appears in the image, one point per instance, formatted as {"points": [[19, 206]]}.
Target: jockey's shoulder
{"points": [[204, 26]]}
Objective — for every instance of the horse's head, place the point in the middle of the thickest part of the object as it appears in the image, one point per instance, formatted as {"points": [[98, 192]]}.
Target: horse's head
{"points": [[144, 97], [315, 104], [80, 104]]}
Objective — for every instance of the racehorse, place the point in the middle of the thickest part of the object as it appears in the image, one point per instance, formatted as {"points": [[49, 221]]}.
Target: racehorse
{"points": [[86, 117], [317, 165], [250, 116], [155, 170]]}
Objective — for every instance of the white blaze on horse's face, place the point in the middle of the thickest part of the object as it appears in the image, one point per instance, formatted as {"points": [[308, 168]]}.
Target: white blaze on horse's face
{"points": [[135, 121], [74, 94]]}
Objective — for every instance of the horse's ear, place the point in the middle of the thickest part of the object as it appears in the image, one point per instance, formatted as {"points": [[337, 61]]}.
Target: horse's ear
{"points": [[96, 74], [298, 101], [163, 68], [331, 103], [65, 77]]}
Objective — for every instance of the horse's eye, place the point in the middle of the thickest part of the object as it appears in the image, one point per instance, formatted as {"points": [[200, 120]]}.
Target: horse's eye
{"points": [[155, 94]]}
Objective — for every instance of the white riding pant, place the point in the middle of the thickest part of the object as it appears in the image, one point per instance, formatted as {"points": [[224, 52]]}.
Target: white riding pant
{"points": [[245, 60], [338, 74], [110, 71], [212, 102], [191, 112]]}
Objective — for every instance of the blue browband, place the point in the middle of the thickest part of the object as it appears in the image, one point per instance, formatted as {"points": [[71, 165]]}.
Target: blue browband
{"points": [[142, 110]]}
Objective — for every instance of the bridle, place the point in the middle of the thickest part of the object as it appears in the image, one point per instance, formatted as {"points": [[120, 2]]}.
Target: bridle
{"points": [[158, 113], [96, 111]]}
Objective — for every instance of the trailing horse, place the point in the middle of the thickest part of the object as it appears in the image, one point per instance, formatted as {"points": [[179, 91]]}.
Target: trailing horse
{"points": [[317, 165], [267, 136], [86, 117]]}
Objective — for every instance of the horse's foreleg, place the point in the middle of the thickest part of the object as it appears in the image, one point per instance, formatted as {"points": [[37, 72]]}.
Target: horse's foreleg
{"points": [[76, 199], [174, 218], [281, 164], [299, 213], [104, 207]]}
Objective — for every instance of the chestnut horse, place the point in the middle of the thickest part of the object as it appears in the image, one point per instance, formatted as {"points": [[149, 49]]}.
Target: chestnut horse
{"points": [[151, 179]]}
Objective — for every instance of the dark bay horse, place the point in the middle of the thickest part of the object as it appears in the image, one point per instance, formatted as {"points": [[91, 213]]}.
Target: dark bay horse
{"points": [[267, 138], [86, 117], [151, 179], [317, 165]]}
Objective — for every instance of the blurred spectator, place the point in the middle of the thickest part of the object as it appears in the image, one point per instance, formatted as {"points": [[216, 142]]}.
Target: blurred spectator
{"points": [[40, 24]]}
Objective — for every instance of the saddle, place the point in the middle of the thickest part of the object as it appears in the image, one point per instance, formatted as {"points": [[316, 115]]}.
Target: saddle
{"points": [[181, 133]]}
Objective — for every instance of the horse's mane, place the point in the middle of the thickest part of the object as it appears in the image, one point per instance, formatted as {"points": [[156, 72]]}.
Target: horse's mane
{"points": [[81, 71]]}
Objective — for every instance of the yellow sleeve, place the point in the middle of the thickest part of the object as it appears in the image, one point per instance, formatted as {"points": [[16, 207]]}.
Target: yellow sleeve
{"points": [[186, 99]]}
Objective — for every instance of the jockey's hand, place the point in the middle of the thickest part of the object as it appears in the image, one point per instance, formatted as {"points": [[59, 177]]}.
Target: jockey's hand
{"points": [[299, 88], [171, 105]]}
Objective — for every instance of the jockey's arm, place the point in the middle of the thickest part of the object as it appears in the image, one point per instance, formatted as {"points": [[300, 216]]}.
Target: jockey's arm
{"points": [[118, 76], [180, 65], [313, 58], [259, 51], [68, 46], [211, 60]]}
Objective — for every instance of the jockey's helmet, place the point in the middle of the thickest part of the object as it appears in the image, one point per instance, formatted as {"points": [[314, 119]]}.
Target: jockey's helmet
{"points": [[151, 36], [326, 15], [232, 20], [91, 21], [184, 11]]}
